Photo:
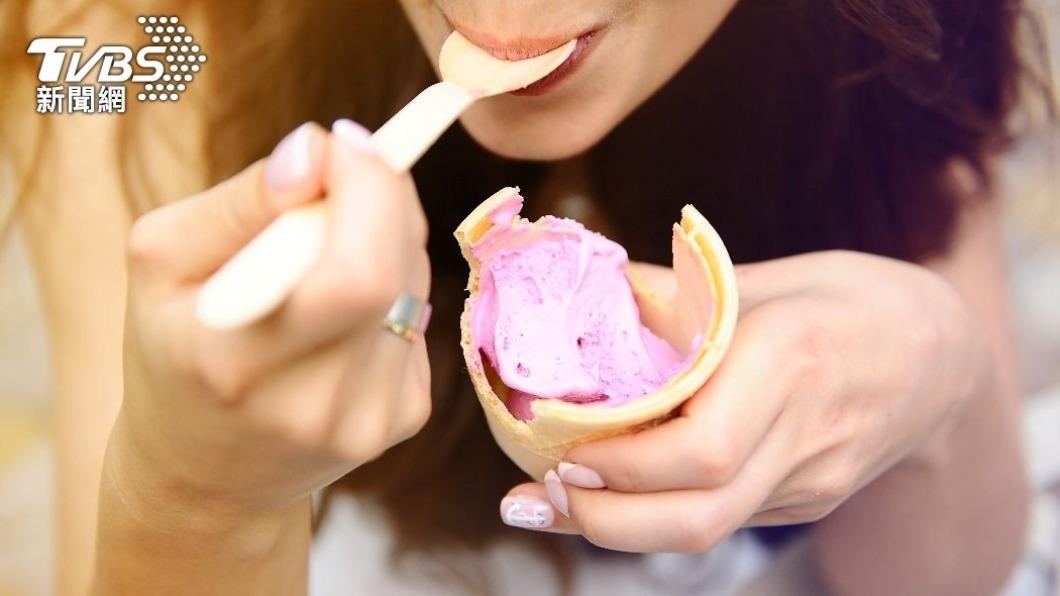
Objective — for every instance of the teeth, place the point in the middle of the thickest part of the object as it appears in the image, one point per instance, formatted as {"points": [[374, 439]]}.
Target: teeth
{"points": [[701, 317]]}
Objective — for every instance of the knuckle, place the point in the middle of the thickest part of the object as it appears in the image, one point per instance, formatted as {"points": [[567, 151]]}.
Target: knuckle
{"points": [[421, 273], [715, 459], [227, 386], [308, 427], [419, 414], [808, 513], [240, 206], [698, 534], [631, 478], [594, 528], [142, 247], [422, 229], [419, 226], [344, 451], [834, 485], [808, 352], [363, 440], [787, 515], [413, 418], [228, 378], [924, 338], [821, 510], [362, 449], [801, 514]]}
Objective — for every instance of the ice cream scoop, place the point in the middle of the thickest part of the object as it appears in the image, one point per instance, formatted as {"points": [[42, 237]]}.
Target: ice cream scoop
{"points": [[565, 344], [257, 279], [557, 319]]}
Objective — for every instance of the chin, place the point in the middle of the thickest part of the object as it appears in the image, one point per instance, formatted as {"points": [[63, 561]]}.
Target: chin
{"points": [[519, 128]]}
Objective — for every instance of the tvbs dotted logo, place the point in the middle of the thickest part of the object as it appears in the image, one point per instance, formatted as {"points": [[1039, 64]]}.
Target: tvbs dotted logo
{"points": [[165, 68], [183, 55]]}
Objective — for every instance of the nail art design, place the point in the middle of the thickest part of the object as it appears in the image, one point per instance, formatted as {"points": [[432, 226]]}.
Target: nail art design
{"points": [[525, 511]]}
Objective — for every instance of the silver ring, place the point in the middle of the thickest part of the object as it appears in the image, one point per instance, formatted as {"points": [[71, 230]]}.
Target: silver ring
{"points": [[408, 316]]}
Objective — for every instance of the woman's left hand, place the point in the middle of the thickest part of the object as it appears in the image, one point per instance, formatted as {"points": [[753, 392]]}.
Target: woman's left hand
{"points": [[843, 364]]}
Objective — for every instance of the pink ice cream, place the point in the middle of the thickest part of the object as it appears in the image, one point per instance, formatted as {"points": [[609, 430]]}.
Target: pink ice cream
{"points": [[556, 317]]}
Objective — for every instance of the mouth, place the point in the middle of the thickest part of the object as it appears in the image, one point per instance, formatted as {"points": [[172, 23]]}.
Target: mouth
{"points": [[564, 70], [525, 48]]}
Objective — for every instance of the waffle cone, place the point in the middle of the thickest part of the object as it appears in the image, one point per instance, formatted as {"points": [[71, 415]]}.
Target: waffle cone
{"points": [[704, 304]]}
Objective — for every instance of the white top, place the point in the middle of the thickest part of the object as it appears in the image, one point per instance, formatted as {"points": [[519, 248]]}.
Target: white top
{"points": [[351, 550]]}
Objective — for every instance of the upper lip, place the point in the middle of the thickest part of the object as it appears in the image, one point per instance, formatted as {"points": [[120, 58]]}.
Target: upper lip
{"points": [[518, 48]]}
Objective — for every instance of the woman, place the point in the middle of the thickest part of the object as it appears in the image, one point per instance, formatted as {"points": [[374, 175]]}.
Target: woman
{"points": [[843, 150]]}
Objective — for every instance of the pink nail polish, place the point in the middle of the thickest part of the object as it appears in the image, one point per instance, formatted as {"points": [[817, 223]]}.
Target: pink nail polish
{"points": [[353, 135], [290, 160], [580, 476], [526, 511], [556, 492]]}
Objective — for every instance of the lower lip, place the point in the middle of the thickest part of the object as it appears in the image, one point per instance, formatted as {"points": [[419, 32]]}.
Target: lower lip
{"points": [[563, 71]]}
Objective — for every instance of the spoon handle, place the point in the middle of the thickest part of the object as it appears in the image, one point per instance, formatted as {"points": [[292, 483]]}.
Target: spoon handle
{"points": [[403, 140], [257, 279]]}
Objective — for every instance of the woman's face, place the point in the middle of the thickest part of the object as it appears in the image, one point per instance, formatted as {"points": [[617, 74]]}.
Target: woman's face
{"points": [[627, 49]]}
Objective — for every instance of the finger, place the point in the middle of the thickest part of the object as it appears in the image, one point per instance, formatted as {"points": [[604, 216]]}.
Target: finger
{"points": [[231, 362], [783, 516], [671, 521], [767, 280], [191, 238], [527, 506], [376, 232], [298, 404], [350, 290], [356, 139], [299, 401], [399, 363], [392, 393], [345, 399], [414, 405], [371, 415], [714, 434]]}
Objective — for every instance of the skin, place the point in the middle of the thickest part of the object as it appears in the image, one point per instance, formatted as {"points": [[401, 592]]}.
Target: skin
{"points": [[297, 407], [638, 47], [890, 400], [875, 433]]}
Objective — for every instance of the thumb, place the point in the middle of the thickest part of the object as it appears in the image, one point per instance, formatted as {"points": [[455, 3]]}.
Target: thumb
{"points": [[190, 238]]}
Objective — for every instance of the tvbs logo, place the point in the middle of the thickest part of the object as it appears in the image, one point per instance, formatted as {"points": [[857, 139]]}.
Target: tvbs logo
{"points": [[164, 68]]}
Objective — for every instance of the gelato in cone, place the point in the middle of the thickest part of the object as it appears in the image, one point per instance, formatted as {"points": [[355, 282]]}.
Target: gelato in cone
{"points": [[566, 344]]}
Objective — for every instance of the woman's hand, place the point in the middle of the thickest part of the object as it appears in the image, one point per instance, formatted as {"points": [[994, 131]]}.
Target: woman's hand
{"points": [[842, 365], [254, 419]]}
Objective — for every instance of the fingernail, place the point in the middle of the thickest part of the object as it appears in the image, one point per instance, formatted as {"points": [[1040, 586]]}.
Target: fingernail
{"points": [[526, 511], [580, 476], [290, 160], [556, 493], [353, 135]]}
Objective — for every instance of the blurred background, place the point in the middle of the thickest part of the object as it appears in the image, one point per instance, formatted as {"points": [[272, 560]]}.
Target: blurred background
{"points": [[1031, 183]]}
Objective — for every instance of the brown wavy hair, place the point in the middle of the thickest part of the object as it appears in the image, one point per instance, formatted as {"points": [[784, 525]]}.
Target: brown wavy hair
{"points": [[799, 126]]}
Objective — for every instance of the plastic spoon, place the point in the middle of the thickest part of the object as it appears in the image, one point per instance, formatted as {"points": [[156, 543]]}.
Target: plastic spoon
{"points": [[260, 276]]}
